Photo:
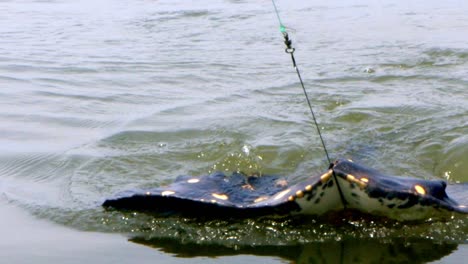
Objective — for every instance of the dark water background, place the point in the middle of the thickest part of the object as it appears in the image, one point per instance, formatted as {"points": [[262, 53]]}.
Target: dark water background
{"points": [[102, 96]]}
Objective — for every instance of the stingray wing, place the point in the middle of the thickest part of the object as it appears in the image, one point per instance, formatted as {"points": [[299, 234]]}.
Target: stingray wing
{"points": [[459, 193], [396, 197], [214, 195]]}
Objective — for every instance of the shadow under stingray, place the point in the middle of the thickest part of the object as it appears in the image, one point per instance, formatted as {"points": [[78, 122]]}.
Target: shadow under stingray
{"points": [[347, 251]]}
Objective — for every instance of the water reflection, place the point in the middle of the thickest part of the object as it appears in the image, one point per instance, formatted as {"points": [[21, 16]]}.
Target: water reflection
{"points": [[347, 251]]}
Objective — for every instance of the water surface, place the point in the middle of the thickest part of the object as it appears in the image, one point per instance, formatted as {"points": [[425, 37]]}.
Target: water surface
{"points": [[102, 96]]}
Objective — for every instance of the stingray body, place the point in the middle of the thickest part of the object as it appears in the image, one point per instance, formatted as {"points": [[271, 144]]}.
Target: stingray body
{"points": [[359, 188]]}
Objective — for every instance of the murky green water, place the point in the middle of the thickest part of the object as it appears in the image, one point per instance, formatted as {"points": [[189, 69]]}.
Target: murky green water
{"points": [[102, 96]]}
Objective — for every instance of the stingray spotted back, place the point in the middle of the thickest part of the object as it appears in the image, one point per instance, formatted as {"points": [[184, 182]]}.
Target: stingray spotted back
{"points": [[362, 189]]}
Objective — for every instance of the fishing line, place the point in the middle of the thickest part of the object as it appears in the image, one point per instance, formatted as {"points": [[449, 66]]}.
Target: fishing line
{"points": [[290, 50]]}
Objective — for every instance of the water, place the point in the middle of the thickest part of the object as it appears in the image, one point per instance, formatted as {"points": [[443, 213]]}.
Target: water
{"points": [[102, 96]]}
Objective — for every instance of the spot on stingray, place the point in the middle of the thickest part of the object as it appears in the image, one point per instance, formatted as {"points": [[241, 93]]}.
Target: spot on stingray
{"points": [[148, 193], [248, 187], [419, 189], [281, 183], [281, 194], [291, 198], [193, 180], [167, 193], [308, 188], [362, 184], [365, 180], [299, 194], [326, 176], [261, 198], [220, 196]]}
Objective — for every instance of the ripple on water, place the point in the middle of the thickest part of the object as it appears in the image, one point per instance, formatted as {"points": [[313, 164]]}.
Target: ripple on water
{"points": [[453, 165], [38, 179]]}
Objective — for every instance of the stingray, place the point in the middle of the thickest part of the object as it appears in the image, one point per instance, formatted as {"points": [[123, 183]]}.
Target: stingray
{"points": [[346, 185]]}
